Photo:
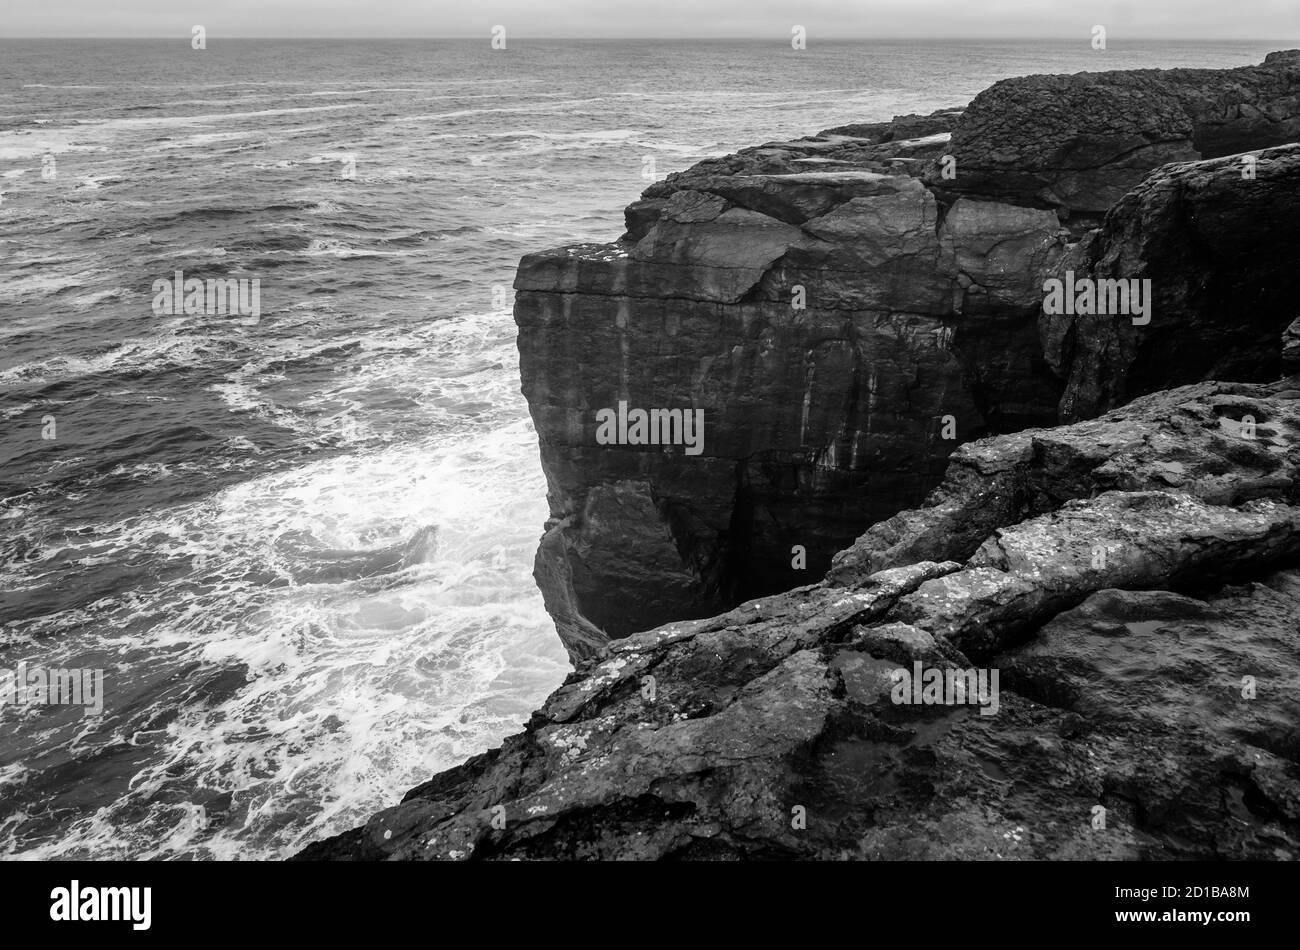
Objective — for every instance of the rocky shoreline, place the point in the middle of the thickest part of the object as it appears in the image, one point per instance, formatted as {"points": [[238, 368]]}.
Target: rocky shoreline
{"points": [[1067, 504]]}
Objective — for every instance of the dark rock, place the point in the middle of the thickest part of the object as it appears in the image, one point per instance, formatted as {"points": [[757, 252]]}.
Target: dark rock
{"points": [[1222, 253], [844, 316], [1291, 346], [1029, 572], [1078, 143], [816, 420], [900, 128], [778, 730], [1221, 443]]}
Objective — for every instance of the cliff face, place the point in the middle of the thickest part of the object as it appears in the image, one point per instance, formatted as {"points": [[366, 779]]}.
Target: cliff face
{"points": [[844, 310], [1131, 707], [1080, 644]]}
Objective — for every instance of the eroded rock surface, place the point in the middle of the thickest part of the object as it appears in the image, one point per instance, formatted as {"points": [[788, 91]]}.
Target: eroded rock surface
{"points": [[1145, 703], [1221, 443], [1094, 136], [1219, 242]]}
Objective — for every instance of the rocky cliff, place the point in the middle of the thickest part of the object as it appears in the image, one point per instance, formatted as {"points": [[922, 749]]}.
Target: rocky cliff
{"points": [[1024, 639], [1127, 586], [843, 310]]}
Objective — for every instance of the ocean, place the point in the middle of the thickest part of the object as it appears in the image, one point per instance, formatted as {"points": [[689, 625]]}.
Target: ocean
{"points": [[184, 497]]}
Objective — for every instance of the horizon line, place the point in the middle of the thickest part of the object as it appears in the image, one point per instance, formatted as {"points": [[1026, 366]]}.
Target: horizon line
{"points": [[676, 39]]}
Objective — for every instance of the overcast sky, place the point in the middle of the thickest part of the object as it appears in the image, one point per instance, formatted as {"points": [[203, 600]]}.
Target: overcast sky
{"points": [[823, 19]]}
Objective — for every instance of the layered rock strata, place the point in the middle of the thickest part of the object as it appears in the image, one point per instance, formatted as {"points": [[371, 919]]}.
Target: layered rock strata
{"points": [[844, 310]]}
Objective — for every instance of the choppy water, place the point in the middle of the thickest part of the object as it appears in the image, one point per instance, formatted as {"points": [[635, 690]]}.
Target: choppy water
{"points": [[249, 712]]}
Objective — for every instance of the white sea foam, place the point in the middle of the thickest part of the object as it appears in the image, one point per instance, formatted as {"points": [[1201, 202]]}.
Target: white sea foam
{"points": [[18, 144], [143, 352], [19, 288], [356, 690], [504, 110], [204, 140]]}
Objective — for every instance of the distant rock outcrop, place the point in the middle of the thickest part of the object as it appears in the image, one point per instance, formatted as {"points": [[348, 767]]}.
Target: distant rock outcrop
{"points": [[1078, 143]]}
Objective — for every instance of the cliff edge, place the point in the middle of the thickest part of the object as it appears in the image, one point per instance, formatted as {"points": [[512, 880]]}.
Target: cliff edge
{"points": [[1056, 558], [841, 312]]}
